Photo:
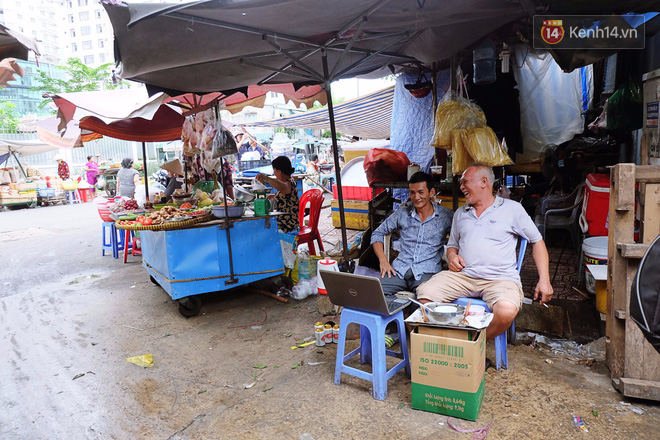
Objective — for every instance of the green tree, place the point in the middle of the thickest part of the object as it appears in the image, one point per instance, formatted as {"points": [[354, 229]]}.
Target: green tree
{"points": [[9, 119], [80, 78]]}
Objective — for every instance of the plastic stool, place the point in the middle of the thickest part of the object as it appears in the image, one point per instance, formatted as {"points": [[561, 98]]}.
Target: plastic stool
{"points": [[372, 349], [501, 358], [72, 196], [113, 239], [131, 239]]}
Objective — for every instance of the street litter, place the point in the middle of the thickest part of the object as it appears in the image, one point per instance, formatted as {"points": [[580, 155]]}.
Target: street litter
{"points": [[579, 423], [305, 344], [636, 410], [479, 433], [77, 376], [145, 360], [315, 363], [248, 385]]}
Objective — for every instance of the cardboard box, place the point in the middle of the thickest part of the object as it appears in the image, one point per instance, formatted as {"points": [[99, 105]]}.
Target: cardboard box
{"points": [[448, 371]]}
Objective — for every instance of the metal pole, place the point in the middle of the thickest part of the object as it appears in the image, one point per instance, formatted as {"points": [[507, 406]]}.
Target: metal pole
{"points": [[232, 279], [335, 152], [453, 87], [146, 175]]}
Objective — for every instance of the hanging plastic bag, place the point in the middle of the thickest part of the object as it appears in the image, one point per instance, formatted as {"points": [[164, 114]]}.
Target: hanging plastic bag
{"points": [[452, 115], [385, 165], [485, 148], [624, 108], [223, 143], [460, 157]]}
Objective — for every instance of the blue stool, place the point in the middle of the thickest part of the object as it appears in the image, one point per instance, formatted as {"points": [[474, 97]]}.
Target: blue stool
{"points": [[113, 239], [501, 357], [72, 196], [372, 349]]}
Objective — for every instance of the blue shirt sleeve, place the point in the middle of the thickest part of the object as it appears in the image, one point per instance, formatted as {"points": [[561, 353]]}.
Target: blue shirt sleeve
{"points": [[390, 224]]}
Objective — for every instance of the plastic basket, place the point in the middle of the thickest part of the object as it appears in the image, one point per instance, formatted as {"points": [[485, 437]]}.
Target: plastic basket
{"points": [[104, 213], [46, 192], [69, 185]]}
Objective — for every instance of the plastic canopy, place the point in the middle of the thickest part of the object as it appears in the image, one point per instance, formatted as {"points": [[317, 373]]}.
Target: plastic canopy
{"points": [[368, 117]]}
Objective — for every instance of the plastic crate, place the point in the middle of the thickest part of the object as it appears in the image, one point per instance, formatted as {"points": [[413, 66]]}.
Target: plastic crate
{"points": [[249, 164], [46, 192], [356, 192]]}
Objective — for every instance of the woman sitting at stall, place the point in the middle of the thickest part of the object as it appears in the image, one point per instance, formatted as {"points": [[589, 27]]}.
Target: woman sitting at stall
{"points": [[286, 198], [127, 179], [174, 176]]}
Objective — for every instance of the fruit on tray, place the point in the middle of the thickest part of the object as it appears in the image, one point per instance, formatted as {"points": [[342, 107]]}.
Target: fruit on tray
{"points": [[131, 204], [186, 205]]}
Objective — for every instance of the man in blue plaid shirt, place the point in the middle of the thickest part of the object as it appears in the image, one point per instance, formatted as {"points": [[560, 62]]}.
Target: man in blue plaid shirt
{"points": [[423, 228]]}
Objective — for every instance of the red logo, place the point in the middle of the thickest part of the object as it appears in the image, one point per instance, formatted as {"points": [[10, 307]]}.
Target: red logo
{"points": [[552, 31]]}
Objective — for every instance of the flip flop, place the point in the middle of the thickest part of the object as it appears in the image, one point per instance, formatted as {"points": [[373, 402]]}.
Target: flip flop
{"points": [[390, 340]]}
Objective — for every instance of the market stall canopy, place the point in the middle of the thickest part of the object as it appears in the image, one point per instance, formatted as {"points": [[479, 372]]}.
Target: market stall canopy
{"points": [[213, 45], [367, 117], [25, 147], [13, 44], [128, 114], [71, 137], [254, 96]]}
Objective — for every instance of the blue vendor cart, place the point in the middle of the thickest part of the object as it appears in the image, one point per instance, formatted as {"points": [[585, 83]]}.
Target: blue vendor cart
{"points": [[213, 256]]}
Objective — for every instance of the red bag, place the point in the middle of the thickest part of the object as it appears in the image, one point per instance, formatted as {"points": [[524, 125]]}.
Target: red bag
{"points": [[385, 165]]}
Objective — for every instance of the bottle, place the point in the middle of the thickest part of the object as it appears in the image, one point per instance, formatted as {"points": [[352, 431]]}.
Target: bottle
{"points": [[450, 173]]}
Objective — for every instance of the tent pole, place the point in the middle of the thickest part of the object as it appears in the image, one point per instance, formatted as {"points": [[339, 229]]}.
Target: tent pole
{"points": [[453, 83], [18, 162], [146, 175], [335, 152]]}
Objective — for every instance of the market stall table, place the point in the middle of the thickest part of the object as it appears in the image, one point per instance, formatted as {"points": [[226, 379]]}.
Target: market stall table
{"points": [[195, 260]]}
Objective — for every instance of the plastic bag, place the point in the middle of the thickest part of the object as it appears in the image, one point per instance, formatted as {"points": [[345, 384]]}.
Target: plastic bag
{"points": [[624, 108], [385, 165], [485, 148], [460, 158], [258, 186], [452, 115], [304, 289], [223, 143], [288, 244]]}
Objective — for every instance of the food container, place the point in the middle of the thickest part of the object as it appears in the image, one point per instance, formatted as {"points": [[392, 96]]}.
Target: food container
{"points": [[181, 199], [436, 169], [232, 211], [444, 313]]}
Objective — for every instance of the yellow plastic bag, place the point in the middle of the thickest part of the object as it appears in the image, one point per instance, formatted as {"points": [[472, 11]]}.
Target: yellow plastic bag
{"points": [[453, 115], [460, 158], [485, 148], [145, 361]]}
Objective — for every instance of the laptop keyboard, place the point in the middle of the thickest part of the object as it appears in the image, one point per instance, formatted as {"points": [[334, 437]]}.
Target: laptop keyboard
{"points": [[395, 303]]}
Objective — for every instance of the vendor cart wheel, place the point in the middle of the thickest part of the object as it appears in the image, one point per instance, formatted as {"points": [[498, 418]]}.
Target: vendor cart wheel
{"points": [[153, 280], [190, 306], [110, 189]]}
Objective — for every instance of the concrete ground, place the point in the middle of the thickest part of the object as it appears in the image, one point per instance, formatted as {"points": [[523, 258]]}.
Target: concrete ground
{"points": [[69, 318]]}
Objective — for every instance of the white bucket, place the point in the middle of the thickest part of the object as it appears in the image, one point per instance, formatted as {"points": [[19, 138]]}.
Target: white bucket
{"points": [[325, 264], [594, 250]]}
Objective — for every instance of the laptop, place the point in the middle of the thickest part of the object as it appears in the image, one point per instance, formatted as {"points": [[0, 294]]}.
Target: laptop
{"points": [[360, 293]]}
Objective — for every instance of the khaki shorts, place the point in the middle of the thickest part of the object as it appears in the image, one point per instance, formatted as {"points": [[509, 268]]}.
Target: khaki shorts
{"points": [[447, 286]]}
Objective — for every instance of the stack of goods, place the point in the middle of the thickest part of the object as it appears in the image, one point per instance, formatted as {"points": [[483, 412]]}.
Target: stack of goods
{"points": [[18, 193], [461, 127]]}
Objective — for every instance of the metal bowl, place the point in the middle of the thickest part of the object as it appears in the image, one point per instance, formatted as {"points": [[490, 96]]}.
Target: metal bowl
{"points": [[243, 194], [450, 313]]}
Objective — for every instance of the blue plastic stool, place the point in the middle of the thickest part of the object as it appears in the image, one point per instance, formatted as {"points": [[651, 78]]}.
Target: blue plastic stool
{"points": [[372, 349], [72, 196], [113, 239]]}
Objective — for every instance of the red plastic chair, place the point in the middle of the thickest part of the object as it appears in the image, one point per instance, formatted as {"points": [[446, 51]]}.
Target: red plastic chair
{"points": [[307, 234]]}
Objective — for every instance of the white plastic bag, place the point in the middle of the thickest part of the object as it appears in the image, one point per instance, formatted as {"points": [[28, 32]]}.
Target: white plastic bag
{"points": [[258, 186]]}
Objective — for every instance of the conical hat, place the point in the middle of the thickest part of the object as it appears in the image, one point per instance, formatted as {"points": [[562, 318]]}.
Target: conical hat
{"points": [[173, 167]]}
